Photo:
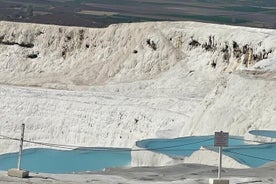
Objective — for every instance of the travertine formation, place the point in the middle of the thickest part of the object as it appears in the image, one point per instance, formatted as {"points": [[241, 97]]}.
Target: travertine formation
{"points": [[117, 85]]}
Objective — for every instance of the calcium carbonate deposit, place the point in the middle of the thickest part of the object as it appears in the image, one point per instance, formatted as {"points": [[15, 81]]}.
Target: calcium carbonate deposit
{"points": [[127, 82]]}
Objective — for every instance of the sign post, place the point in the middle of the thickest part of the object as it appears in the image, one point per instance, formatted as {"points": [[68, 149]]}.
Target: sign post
{"points": [[220, 140], [18, 172], [21, 147]]}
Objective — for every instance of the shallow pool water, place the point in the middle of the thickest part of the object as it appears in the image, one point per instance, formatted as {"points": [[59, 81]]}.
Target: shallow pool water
{"points": [[60, 161], [95, 159], [250, 155], [182, 146], [265, 133]]}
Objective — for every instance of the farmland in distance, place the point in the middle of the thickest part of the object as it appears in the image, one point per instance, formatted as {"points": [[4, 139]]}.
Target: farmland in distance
{"points": [[101, 13]]}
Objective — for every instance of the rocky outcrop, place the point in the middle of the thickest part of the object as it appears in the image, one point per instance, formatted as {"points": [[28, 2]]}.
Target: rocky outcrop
{"points": [[123, 52]]}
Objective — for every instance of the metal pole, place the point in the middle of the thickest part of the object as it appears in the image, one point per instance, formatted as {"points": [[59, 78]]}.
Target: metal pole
{"points": [[21, 147], [220, 162]]}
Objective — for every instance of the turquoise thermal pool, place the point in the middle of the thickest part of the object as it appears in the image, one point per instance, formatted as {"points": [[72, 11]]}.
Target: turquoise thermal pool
{"points": [[61, 161], [250, 155], [95, 159]]}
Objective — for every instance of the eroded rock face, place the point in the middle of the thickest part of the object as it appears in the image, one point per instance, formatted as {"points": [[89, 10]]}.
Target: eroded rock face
{"points": [[83, 56], [243, 54]]}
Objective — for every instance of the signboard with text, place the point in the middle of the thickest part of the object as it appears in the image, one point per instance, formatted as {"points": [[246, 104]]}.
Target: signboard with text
{"points": [[221, 139]]}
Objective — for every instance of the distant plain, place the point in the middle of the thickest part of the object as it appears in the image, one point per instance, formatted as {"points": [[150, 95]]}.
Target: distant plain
{"points": [[101, 13]]}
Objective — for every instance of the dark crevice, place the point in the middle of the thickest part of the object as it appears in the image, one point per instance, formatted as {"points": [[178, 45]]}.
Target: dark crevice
{"points": [[210, 46], [214, 64], [152, 44], [81, 34], [67, 38], [25, 45], [32, 56], [194, 43]]}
